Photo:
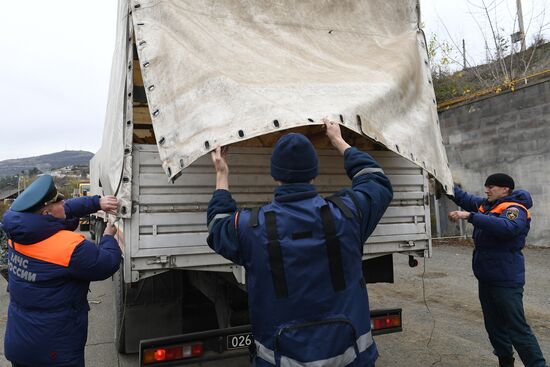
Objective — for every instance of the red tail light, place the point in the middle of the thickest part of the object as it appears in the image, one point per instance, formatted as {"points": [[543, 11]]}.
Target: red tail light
{"points": [[160, 354], [172, 353], [196, 349], [385, 322]]}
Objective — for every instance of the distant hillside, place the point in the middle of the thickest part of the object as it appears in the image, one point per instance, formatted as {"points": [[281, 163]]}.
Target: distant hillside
{"points": [[46, 162]]}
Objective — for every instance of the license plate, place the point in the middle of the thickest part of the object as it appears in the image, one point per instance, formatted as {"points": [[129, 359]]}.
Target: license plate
{"points": [[239, 341]]}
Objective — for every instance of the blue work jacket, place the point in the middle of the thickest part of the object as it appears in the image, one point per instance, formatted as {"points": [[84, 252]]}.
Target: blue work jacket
{"points": [[500, 229], [50, 269], [306, 303]]}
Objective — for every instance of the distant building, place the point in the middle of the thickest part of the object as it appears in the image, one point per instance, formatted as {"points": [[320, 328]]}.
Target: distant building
{"points": [[7, 196], [80, 172]]}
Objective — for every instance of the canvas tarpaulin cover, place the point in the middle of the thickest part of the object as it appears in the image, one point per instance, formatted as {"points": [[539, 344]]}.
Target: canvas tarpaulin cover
{"points": [[107, 165], [220, 71]]}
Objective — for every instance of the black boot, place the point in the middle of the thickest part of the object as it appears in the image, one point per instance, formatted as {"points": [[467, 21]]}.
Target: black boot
{"points": [[506, 361]]}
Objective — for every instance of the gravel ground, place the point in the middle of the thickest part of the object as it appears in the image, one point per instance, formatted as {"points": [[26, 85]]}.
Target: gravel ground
{"points": [[450, 334], [446, 327]]}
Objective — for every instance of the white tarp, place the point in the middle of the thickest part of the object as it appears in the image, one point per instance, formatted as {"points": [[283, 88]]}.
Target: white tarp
{"points": [[217, 69], [107, 165]]}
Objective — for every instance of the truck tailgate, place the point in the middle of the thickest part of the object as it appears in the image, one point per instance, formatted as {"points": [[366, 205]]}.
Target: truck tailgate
{"points": [[168, 224]]}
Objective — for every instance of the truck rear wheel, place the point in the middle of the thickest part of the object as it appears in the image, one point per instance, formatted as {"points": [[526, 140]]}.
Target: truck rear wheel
{"points": [[146, 309], [119, 299], [93, 222], [118, 293]]}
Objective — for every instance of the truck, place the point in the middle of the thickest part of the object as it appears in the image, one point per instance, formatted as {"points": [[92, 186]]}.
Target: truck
{"points": [[188, 76], [82, 190]]}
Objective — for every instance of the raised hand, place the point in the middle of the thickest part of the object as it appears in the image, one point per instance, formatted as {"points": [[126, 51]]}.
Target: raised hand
{"points": [[335, 135], [219, 158]]}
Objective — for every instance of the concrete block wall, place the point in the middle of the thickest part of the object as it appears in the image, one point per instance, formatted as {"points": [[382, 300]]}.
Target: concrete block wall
{"points": [[510, 133]]}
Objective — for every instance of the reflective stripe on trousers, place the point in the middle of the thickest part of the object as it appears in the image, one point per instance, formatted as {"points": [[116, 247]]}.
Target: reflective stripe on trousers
{"points": [[363, 343]]}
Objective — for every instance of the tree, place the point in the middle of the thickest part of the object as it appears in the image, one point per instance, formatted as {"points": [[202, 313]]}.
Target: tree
{"points": [[67, 186], [503, 63], [34, 171], [3, 208]]}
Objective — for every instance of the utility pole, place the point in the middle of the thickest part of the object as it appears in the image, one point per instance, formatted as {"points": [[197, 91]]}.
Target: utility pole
{"points": [[520, 22], [21, 184]]}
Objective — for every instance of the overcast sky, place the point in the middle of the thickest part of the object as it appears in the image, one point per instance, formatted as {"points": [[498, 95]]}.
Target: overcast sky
{"points": [[56, 59], [455, 20], [55, 68]]}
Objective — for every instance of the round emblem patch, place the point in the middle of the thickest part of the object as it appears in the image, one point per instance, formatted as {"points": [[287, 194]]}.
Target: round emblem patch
{"points": [[512, 213]]}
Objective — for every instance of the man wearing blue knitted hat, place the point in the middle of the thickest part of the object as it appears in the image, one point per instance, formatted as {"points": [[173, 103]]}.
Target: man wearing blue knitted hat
{"points": [[308, 300]]}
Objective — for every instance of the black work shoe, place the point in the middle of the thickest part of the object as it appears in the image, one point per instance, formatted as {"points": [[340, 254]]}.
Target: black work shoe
{"points": [[506, 361]]}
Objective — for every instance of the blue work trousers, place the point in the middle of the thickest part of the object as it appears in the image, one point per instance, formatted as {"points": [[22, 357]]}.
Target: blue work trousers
{"points": [[505, 323]]}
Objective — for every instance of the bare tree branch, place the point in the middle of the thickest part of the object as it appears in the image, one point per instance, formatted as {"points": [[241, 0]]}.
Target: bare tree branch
{"points": [[469, 64], [535, 45], [498, 50]]}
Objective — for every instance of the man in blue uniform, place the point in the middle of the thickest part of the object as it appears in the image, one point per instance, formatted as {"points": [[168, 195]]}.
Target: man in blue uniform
{"points": [[501, 223], [50, 269], [308, 300]]}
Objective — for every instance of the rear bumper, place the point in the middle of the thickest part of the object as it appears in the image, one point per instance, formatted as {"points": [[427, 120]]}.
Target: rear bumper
{"points": [[215, 342]]}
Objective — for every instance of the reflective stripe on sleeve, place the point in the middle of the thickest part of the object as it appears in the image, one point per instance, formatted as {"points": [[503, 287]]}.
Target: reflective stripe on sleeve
{"points": [[363, 343], [366, 171], [216, 217]]}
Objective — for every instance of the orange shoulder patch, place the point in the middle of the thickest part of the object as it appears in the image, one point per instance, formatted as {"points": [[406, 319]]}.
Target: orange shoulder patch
{"points": [[56, 249]]}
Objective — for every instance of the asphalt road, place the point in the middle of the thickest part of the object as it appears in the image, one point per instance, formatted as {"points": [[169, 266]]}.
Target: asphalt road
{"points": [[449, 334]]}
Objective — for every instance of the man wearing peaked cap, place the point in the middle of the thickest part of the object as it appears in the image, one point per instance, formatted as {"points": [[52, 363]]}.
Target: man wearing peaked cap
{"points": [[302, 248], [50, 268], [501, 224], [40, 193]]}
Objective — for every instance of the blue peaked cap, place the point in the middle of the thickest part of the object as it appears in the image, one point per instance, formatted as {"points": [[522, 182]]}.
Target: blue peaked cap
{"points": [[294, 159], [40, 192]]}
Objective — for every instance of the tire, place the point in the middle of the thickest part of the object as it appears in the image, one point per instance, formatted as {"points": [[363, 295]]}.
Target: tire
{"points": [[119, 300], [118, 295], [91, 229]]}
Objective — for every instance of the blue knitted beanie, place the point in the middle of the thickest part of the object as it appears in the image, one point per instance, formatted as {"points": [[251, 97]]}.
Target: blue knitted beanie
{"points": [[294, 159]]}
